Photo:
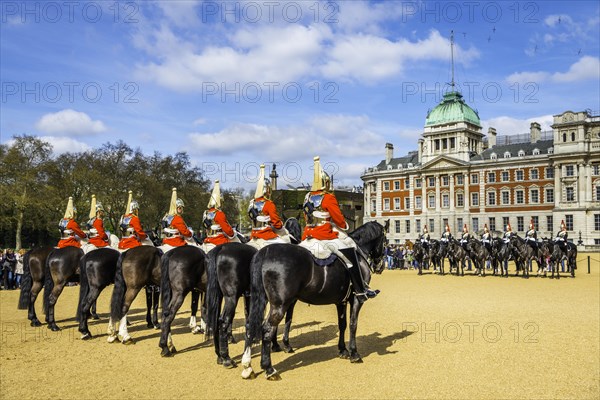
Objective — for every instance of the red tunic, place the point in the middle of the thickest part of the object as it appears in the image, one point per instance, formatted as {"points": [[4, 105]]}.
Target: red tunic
{"points": [[267, 232], [101, 239], [179, 224], [71, 241], [134, 240], [325, 231], [220, 219]]}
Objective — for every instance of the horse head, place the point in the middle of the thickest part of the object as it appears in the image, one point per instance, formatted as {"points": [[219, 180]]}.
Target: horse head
{"points": [[371, 238]]}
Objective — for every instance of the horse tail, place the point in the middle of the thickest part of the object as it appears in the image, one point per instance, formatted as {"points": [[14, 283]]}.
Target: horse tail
{"points": [[118, 295], [214, 295], [48, 284], [165, 284], [258, 297], [26, 284], [84, 287]]}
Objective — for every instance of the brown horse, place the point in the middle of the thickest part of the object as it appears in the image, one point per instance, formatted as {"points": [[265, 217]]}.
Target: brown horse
{"points": [[34, 264]]}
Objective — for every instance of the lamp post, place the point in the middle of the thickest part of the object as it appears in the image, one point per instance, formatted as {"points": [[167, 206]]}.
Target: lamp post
{"points": [[580, 241]]}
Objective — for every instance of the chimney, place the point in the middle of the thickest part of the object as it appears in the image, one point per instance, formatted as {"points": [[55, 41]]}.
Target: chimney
{"points": [[535, 132], [389, 152], [491, 137], [274, 177], [420, 149]]}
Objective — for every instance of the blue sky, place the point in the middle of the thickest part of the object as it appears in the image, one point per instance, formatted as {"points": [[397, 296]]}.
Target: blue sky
{"points": [[238, 83]]}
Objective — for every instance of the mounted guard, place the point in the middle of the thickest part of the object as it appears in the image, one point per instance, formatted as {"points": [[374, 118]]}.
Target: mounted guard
{"points": [[531, 236], [562, 236], [486, 238], [176, 232], [70, 232], [508, 234], [218, 230], [131, 227], [325, 231], [98, 237], [267, 227], [465, 237]]}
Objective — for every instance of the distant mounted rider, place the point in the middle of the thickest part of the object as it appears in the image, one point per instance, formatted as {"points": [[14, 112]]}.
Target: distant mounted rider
{"points": [[70, 232]]}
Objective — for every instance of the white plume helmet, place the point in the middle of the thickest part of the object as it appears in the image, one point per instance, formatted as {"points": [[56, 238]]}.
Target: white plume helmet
{"points": [[70, 211], [215, 197], [321, 181], [173, 203], [263, 186], [93, 207], [128, 205]]}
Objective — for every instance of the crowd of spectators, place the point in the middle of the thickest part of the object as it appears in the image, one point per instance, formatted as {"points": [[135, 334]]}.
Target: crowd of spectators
{"points": [[399, 257], [12, 269]]}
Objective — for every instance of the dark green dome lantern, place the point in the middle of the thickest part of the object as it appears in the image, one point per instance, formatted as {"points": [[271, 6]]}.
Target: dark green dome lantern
{"points": [[452, 109]]}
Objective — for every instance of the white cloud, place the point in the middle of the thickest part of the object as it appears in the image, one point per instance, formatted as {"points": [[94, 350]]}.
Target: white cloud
{"points": [[63, 144], [69, 122], [199, 121], [586, 68], [513, 126]]}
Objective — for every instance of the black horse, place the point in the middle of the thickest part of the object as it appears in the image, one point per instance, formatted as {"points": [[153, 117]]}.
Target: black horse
{"points": [[183, 270], [568, 252], [136, 268], [434, 256], [441, 254], [34, 265], [421, 255], [283, 274], [501, 252], [293, 227], [62, 266], [523, 255], [479, 254], [457, 256]]}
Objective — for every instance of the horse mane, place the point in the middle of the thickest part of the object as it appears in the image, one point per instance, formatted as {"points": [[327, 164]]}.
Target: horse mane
{"points": [[367, 232]]}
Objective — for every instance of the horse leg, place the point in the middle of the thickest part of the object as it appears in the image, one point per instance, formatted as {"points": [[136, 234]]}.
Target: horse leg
{"points": [[286, 331], [355, 307], [224, 324], [342, 324], [276, 314], [88, 302], [166, 341], [248, 372], [149, 292], [155, 302], [53, 298], [93, 312], [36, 287], [130, 295]]}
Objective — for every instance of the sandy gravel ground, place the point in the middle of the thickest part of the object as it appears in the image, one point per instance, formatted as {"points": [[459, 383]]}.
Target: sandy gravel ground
{"points": [[422, 337]]}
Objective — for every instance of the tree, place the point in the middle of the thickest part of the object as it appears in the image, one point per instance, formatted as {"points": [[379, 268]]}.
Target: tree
{"points": [[23, 177]]}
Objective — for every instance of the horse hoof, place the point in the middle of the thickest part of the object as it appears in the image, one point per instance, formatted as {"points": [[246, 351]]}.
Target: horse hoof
{"points": [[274, 376], [229, 364], [219, 360], [150, 325], [248, 373], [288, 349], [344, 355], [54, 328], [35, 322], [276, 348], [166, 353], [172, 349], [197, 330], [127, 340], [156, 326], [356, 360], [86, 336], [95, 316], [111, 339], [232, 340]]}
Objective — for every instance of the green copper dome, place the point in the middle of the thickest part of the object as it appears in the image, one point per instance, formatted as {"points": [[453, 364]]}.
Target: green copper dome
{"points": [[452, 109]]}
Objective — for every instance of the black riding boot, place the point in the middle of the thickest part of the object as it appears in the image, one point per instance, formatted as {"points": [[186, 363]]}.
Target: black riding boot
{"points": [[361, 289]]}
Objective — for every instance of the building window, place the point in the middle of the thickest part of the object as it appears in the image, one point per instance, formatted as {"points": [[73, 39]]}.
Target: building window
{"points": [[386, 204], [536, 152], [536, 222], [474, 179], [437, 144], [431, 201], [396, 185], [505, 197], [549, 173], [459, 224], [572, 136], [475, 199], [407, 223], [491, 177], [569, 170], [520, 224], [386, 186], [519, 197], [418, 225], [407, 183], [492, 223], [570, 193], [373, 205], [569, 221], [445, 180], [444, 144], [491, 198], [505, 222], [534, 196], [431, 225], [549, 223], [493, 156], [407, 203], [418, 203], [396, 203], [505, 176], [521, 153], [534, 174], [549, 195], [460, 179], [445, 200], [452, 142], [519, 175], [507, 154], [418, 182], [564, 137], [475, 225], [597, 193], [596, 169], [397, 226], [597, 222], [431, 181], [460, 199]]}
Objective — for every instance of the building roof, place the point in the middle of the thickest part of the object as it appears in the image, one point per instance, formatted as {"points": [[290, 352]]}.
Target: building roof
{"points": [[411, 158], [513, 150], [452, 109]]}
